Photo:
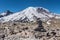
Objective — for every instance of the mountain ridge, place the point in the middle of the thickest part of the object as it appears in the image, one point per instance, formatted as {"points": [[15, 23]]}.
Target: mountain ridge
{"points": [[30, 14]]}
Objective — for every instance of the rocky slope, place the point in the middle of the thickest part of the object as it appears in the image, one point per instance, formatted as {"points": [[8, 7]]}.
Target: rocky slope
{"points": [[30, 31]]}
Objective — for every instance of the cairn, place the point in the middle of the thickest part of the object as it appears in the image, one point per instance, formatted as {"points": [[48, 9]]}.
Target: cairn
{"points": [[40, 26]]}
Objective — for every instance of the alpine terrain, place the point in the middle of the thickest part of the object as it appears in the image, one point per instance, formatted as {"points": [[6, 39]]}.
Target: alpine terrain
{"points": [[32, 23]]}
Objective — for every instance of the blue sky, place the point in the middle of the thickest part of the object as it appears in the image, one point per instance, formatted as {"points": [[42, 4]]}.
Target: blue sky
{"points": [[18, 5]]}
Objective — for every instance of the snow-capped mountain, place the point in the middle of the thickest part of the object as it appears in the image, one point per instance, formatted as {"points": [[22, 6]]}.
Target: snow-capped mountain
{"points": [[29, 14], [6, 13]]}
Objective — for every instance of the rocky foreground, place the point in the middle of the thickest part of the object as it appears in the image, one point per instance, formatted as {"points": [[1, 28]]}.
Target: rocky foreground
{"points": [[30, 31]]}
